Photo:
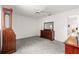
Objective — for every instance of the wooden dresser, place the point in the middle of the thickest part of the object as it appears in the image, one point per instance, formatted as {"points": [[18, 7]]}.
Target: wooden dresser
{"points": [[70, 49], [48, 34], [71, 46]]}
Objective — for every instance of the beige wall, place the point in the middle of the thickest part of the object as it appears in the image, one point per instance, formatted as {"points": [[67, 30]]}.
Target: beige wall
{"points": [[60, 23], [25, 26]]}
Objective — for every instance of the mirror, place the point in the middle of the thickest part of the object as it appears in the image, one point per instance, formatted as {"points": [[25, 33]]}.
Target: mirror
{"points": [[73, 29], [6, 21], [73, 24], [49, 25]]}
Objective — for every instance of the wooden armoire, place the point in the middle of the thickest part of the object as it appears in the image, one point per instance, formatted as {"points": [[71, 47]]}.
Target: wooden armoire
{"points": [[8, 35]]}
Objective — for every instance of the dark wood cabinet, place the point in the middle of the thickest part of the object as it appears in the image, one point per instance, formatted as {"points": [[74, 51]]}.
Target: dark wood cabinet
{"points": [[69, 49], [48, 34], [71, 45], [8, 35], [9, 41]]}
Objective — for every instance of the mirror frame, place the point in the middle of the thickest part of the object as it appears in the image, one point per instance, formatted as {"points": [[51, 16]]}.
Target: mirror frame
{"points": [[4, 12], [8, 20], [48, 23]]}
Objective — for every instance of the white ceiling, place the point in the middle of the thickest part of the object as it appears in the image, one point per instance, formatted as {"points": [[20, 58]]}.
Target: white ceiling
{"points": [[39, 11]]}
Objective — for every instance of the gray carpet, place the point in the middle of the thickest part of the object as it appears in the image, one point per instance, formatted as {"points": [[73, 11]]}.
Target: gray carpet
{"points": [[37, 45]]}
